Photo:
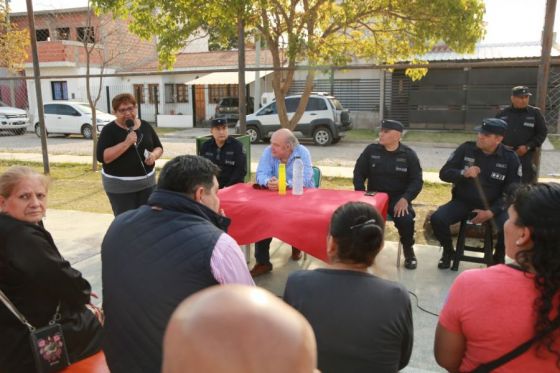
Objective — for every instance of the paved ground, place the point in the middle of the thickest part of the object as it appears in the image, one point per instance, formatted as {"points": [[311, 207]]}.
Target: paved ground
{"points": [[79, 235]]}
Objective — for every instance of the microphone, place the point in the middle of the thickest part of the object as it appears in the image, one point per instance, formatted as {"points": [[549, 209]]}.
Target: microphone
{"points": [[129, 123]]}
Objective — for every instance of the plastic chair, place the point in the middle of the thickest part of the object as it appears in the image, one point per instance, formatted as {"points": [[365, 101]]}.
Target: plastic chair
{"points": [[93, 364], [317, 176]]}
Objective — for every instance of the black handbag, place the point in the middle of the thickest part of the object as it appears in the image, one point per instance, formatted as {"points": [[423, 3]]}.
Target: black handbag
{"points": [[47, 343]]}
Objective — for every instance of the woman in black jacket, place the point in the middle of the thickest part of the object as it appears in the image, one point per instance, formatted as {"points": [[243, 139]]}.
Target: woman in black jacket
{"points": [[36, 278]]}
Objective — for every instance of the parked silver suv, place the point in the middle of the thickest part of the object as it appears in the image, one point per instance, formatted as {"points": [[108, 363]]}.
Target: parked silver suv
{"points": [[324, 120], [13, 119]]}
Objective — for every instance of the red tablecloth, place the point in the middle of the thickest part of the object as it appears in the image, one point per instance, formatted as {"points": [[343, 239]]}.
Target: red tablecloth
{"points": [[301, 221]]}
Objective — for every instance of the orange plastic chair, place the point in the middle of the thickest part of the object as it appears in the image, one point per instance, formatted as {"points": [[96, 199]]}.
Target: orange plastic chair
{"points": [[93, 364]]}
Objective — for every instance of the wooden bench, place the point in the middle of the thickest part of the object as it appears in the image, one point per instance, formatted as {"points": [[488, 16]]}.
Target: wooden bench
{"points": [[93, 364]]}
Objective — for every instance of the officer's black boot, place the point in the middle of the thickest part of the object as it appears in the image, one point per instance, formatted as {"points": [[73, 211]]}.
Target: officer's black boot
{"points": [[410, 261], [445, 260]]}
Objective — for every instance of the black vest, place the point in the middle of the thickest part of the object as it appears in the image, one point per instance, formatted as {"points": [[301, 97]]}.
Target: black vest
{"points": [[152, 259]]}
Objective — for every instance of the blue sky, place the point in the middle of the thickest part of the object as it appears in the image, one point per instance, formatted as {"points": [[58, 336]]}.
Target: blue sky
{"points": [[507, 20]]}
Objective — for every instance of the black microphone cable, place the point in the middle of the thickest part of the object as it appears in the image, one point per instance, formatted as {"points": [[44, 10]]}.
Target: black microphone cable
{"points": [[130, 125], [421, 308]]}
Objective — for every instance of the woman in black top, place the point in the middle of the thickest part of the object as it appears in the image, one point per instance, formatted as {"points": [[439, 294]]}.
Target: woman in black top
{"points": [[362, 323], [36, 278], [128, 147]]}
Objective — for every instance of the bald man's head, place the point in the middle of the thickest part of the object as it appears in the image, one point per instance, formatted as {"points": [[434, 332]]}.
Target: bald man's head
{"points": [[235, 329]]}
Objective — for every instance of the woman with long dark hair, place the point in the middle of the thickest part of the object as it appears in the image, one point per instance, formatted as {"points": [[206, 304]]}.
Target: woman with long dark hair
{"points": [[490, 312], [362, 323]]}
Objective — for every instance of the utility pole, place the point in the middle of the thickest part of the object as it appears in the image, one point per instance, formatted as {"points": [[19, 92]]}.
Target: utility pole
{"points": [[241, 79], [38, 92], [544, 68]]}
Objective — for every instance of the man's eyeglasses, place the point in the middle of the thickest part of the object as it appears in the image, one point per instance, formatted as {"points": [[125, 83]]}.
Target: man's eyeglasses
{"points": [[126, 110]]}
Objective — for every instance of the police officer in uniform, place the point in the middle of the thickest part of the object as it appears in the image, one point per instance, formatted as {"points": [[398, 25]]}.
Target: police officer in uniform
{"points": [[393, 168], [227, 153], [526, 129], [481, 173]]}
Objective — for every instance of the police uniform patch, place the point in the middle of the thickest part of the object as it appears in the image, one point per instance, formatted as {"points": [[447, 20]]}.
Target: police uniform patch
{"points": [[498, 176], [529, 124], [401, 169], [501, 165]]}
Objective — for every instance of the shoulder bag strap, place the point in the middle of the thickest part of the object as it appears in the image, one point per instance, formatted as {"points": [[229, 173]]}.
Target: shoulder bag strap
{"points": [[519, 350], [15, 311]]}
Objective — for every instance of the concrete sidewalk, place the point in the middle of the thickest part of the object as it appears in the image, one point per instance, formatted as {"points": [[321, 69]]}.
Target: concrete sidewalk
{"points": [[78, 236]]}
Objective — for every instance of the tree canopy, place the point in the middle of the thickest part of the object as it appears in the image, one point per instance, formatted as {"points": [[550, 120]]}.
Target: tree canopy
{"points": [[314, 32], [14, 43]]}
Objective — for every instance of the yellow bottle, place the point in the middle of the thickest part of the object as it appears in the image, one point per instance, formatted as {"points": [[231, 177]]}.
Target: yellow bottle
{"points": [[282, 179]]}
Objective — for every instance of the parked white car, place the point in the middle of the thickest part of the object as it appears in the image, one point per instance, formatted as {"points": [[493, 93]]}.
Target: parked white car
{"points": [[13, 119], [67, 118]]}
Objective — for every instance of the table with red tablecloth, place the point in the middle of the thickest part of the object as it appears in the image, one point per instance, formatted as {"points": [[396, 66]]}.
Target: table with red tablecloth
{"points": [[302, 221]]}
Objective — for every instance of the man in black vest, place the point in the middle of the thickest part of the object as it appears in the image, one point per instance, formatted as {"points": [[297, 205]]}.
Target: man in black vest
{"points": [[393, 168], [225, 152], [526, 130], [159, 254], [481, 172]]}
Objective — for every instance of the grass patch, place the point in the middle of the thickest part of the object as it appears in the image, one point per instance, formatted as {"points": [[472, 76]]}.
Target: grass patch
{"points": [[447, 136], [76, 187], [164, 131], [73, 186], [361, 134], [555, 141], [444, 136]]}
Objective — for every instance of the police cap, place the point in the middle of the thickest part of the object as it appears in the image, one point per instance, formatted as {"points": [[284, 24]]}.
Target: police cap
{"points": [[217, 122], [520, 91], [390, 124], [495, 126]]}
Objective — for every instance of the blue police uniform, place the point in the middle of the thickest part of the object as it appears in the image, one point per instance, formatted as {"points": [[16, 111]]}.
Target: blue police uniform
{"points": [[230, 158], [499, 171], [525, 127], [397, 173]]}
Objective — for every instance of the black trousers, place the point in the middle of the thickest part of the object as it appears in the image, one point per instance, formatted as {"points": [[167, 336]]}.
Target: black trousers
{"points": [[404, 224], [262, 251], [121, 202], [528, 168], [453, 212]]}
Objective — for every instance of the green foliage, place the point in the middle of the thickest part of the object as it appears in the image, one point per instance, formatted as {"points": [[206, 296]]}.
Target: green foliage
{"points": [[14, 43], [314, 32]]}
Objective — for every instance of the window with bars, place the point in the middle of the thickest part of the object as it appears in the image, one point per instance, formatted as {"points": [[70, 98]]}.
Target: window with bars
{"points": [[217, 91], [43, 35], [153, 93], [169, 93], [139, 93], [63, 33], [86, 34], [182, 92], [59, 90], [176, 93]]}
